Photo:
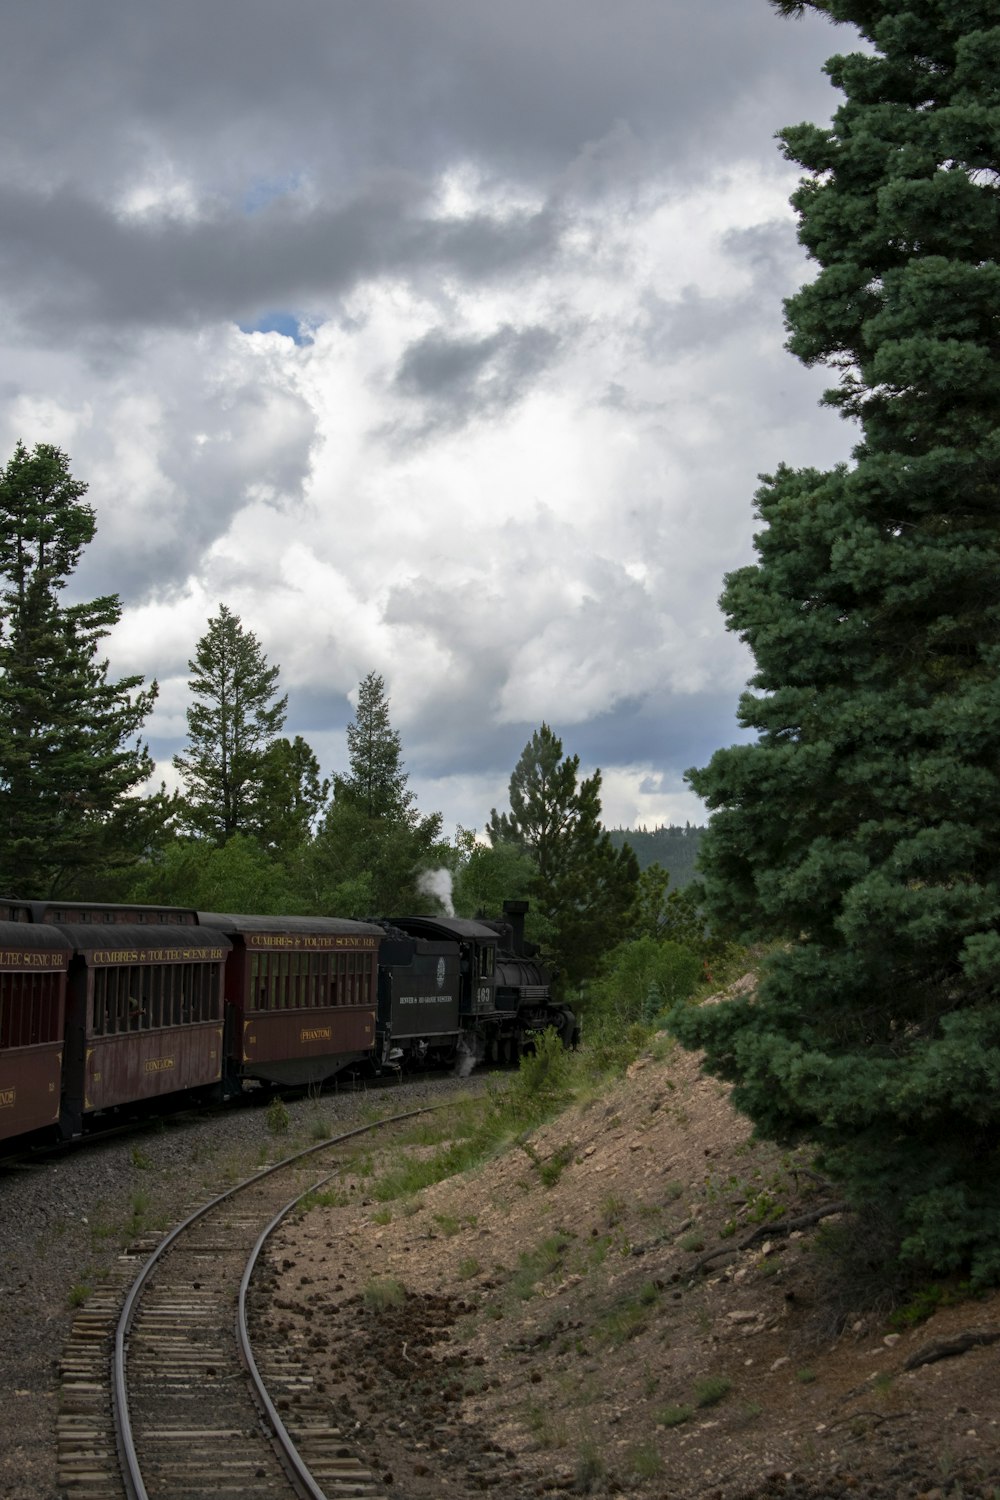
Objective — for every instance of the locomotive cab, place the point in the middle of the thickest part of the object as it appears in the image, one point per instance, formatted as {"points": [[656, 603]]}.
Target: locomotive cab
{"points": [[419, 993], [477, 948]]}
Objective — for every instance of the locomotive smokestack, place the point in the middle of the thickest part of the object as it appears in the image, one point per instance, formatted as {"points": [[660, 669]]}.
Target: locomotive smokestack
{"points": [[514, 911]]}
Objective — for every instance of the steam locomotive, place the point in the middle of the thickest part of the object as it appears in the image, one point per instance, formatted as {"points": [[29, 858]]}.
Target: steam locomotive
{"points": [[105, 1008]]}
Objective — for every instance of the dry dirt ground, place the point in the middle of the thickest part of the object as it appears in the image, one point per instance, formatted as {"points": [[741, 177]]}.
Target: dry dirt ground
{"points": [[540, 1326]]}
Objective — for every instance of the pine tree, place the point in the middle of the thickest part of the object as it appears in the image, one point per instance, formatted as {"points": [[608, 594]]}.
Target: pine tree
{"points": [[373, 844], [292, 795], [862, 830], [582, 889], [231, 724], [70, 757], [377, 781]]}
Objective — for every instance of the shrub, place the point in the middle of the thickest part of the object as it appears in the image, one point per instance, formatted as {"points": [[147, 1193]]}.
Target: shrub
{"points": [[710, 1391], [384, 1292], [643, 979]]}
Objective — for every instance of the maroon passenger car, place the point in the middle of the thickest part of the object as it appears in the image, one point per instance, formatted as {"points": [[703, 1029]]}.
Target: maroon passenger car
{"points": [[143, 1013], [33, 966], [300, 995]]}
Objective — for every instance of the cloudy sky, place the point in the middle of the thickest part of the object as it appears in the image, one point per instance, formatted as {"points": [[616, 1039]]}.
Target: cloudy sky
{"points": [[434, 337]]}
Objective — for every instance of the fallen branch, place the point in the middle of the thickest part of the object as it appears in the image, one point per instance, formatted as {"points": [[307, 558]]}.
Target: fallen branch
{"points": [[772, 1231], [945, 1348]]}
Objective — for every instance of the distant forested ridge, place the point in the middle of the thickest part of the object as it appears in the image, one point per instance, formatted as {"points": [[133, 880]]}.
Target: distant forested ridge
{"points": [[675, 848]]}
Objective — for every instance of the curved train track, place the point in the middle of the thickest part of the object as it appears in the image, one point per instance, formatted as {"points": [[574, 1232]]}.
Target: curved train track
{"points": [[191, 1415]]}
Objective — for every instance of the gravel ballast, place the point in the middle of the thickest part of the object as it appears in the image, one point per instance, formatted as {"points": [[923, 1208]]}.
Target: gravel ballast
{"points": [[66, 1219]]}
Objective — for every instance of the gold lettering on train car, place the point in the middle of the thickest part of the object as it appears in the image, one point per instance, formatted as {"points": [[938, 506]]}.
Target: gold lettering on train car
{"points": [[301, 940], [315, 1034], [158, 1064], [8, 1098]]}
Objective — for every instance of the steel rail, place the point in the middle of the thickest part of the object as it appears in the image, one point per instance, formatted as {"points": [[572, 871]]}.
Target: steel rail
{"points": [[131, 1472]]}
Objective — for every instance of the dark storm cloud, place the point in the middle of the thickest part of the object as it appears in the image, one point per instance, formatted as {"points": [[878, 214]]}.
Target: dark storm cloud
{"points": [[667, 731], [311, 139], [74, 261], [331, 85], [464, 377]]}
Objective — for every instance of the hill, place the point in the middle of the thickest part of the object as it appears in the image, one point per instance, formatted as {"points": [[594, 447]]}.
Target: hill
{"points": [[675, 848], [559, 1322]]}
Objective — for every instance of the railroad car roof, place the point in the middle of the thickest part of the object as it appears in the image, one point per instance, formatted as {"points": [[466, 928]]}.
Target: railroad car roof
{"points": [[238, 922], [110, 913], [455, 927], [118, 937], [27, 937]]}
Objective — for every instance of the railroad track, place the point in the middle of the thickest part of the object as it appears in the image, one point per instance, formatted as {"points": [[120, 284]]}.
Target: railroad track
{"points": [[190, 1414]]}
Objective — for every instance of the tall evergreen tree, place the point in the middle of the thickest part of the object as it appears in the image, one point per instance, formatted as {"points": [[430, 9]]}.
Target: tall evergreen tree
{"points": [[292, 795], [862, 829], [232, 722], [376, 782], [70, 758], [582, 889], [373, 844]]}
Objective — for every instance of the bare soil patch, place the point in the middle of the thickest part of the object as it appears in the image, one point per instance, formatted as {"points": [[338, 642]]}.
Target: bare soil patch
{"points": [[537, 1327]]}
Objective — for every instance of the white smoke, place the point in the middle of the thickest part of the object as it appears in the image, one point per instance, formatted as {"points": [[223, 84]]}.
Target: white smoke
{"points": [[438, 883]]}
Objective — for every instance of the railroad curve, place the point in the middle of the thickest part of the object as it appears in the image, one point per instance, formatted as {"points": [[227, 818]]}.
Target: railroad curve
{"points": [[193, 1416]]}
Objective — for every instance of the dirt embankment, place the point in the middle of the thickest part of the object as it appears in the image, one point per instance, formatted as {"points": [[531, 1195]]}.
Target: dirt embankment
{"points": [[539, 1327]]}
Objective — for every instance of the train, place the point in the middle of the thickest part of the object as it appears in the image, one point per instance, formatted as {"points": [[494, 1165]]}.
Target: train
{"points": [[108, 1008]]}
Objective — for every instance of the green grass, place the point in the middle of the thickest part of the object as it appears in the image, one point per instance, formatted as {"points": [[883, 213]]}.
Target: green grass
{"points": [[539, 1264], [590, 1469], [480, 1129], [329, 1197], [612, 1210], [711, 1390], [674, 1416], [643, 1461], [383, 1292], [629, 1317], [78, 1293]]}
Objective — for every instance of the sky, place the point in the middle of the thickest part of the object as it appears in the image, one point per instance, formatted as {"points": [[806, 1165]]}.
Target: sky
{"points": [[431, 337]]}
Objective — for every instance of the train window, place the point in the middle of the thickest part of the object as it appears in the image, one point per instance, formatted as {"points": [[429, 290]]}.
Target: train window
{"points": [[29, 1008], [259, 988], [176, 981], [154, 992], [97, 1015], [364, 980], [487, 961]]}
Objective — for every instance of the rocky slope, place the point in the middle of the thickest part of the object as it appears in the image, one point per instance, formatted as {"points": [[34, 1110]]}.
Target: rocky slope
{"points": [[543, 1326]]}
